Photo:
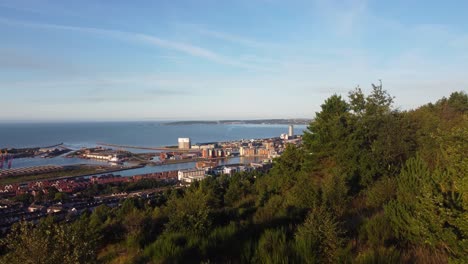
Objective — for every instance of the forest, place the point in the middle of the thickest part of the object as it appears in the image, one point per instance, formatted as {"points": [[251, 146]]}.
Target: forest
{"points": [[370, 184]]}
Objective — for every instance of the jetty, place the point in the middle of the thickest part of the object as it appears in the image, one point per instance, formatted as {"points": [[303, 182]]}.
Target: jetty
{"points": [[166, 149]]}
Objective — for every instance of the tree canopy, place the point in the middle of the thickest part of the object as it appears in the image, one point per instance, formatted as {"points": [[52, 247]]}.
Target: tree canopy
{"points": [[369, 184]]}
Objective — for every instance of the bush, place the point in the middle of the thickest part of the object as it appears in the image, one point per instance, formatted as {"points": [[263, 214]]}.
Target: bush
{"points": [[317, 240], [381, 192], [273, 247], [379, 256]]}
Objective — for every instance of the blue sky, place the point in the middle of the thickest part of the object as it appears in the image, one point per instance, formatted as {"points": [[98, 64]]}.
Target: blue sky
{"points": [[209, 59]]}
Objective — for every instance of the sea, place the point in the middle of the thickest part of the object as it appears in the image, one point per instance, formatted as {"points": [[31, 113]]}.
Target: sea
{"points": [[143, 134]]}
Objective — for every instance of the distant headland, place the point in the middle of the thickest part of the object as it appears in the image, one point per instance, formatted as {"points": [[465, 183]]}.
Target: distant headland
{"points": [[297, 121]]}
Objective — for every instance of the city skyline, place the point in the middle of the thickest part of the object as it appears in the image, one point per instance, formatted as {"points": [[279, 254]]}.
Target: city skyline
{"points": [[207, 60]]}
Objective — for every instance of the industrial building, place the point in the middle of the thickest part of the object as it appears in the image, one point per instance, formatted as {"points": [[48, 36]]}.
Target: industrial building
{"points": [[184, 143]]}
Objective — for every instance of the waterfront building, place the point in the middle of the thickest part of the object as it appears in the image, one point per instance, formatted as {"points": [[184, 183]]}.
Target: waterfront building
{"points": [[242, 151], [205, 154], [263, 152], [98, 156], [273, 154], [184, 143], [191, 175], [247, 151], [227, 152], [219, 153], [291, 131], [230, 170], [269, 145]]}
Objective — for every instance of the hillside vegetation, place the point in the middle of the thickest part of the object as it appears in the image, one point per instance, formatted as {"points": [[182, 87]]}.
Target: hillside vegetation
{"points": [[371, 184]]}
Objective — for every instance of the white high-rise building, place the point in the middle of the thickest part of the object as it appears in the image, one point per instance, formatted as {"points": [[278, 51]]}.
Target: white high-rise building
{"points": [[184, 143], [291, 131]]}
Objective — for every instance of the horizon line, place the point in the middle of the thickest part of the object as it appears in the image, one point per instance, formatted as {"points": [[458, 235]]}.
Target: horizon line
{"points": [[150, 120]]}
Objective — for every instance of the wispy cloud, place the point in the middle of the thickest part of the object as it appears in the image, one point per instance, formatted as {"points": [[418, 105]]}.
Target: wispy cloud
{"points": [[102, 95], [10, 59], [190, 50], [47, 8], [20, 6], [342, 16], [185, 48], [149, 82], [167, 92], [232, 38], [16, 60], [93, 99]]}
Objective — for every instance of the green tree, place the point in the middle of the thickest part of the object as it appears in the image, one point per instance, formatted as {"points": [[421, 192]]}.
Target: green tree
{"points": [[423, 216], [335, 194], [50, 243], [61, 197], [283, 176], [459, 101], [190, 213], [51, 192], [318, 240], [24, 198], [273, 247], [362, 139], [240, 186], [326, 134]]}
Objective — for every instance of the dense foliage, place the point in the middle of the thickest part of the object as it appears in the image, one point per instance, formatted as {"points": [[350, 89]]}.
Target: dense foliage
{"points": [[371, 184]]}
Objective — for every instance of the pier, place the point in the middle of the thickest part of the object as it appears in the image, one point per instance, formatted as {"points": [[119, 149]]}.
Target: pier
{"points": [[166, 149]]}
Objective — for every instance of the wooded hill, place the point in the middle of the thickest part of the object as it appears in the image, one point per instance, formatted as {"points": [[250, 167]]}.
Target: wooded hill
{"points": [[371, 184]]}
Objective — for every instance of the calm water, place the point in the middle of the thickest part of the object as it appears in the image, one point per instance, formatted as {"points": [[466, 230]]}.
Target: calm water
{"points": [[28, 162], [148, 134], [181, 166]]}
